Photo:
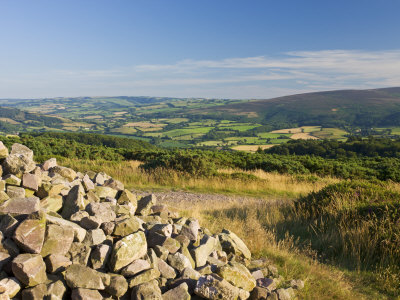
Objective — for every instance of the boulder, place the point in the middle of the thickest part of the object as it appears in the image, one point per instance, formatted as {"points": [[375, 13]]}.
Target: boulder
{"points": [[3, 150], [231, 243], [78, 276], [214, 287], [99, 256], [145, 204], [147, 290], [20, 206], [135, 267], [56, 263], [128, 249], [11, 286], [85, 294], [30, 181], [180, 292], [29, 235], [58, 240], [19, 161], [48, 164], [118, 285], [237, 275], [29, 269]]}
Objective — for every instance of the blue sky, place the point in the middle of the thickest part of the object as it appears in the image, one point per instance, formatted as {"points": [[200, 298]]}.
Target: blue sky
{"points": [[203, 48]]}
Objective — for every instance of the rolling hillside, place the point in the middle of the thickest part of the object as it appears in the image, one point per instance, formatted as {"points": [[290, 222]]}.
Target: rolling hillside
{"points": [[364, 108]]}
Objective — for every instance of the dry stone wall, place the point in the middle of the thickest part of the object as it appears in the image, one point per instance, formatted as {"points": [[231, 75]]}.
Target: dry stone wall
{"points": [[68, 235]]}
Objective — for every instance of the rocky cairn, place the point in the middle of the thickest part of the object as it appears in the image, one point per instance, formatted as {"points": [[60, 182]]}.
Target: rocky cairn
{"points": [[68, 235]]}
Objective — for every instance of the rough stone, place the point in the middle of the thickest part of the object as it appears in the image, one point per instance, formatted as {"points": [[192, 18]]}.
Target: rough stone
{"points": [[21, 206], [56, 290], [147, 291], [29, 235], [3, 150], [99, 256], [79, 232], [118, 285], [11, 286], [78, 276], [214, 287], [143, 277], [238, 275], [126, 226], [30, 181], [56, 263], [58, 240], [128, 249], [179, 261], [231, 243], [202, 252], [48, 164], [52, 203], [29, 269], [15, 192], [35, 293], [135, 267], [79, 253], [145, 204], [180, 292], [85, 294]]}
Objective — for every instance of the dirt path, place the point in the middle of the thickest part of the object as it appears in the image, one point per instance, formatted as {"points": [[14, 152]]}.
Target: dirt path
{"points": [[179, 198]]}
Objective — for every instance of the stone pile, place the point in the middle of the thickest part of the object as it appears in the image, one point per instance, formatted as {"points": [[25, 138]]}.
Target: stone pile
{"points": [[67, 235]]}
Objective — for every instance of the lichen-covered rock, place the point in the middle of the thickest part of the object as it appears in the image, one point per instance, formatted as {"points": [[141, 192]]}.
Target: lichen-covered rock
{"points": [[214, 287], [20, 206], [143, 277], [180, 292], [37, 292], [79, 253], [79, 232], [231, 243], [19, 161], [145, 204], [126, 226], [58, 240], [3, 150], [179, 261], [52, 203], [78, 276], [29, 269], [56, 263], [147, 291], [128, 249], [127, 197], [99, 256], [85, 294], [11, 286], [29, 235], [135, 267], [202, 252], [56, 290], [118, 285], [238, 275]]}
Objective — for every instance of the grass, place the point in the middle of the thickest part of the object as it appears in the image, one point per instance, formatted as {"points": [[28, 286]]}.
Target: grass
{"points": [[257, 184]]}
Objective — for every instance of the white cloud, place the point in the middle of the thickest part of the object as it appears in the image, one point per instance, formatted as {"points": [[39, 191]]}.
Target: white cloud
{"points": [[246, 77]]}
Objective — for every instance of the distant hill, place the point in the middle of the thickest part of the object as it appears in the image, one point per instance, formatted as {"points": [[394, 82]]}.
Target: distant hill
{"points": [[13, 120], [364, 108]]}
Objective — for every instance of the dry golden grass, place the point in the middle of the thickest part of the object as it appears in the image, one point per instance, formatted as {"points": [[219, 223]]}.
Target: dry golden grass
{"points": [[248, 222], [303, 136], [267, 184], [251, 148]]}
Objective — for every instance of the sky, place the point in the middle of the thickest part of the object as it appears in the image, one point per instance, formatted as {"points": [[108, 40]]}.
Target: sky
{"points": [[196, 48]]}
